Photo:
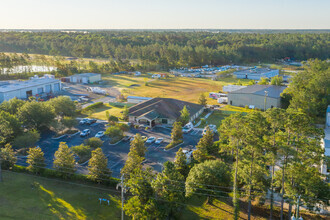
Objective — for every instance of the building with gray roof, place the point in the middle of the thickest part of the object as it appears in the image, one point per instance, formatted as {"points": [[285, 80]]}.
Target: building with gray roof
{"points": [[85, 78], [257, 96], [162, 111], [38, 87], [256, 73]]}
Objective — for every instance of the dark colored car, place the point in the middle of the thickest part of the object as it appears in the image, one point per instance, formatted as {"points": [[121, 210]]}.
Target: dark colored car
{"points": [[91, 121]]}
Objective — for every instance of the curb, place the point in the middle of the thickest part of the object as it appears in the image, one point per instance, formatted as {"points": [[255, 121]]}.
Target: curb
{"points": [[116, 142], [173, 147], [60, 137]]}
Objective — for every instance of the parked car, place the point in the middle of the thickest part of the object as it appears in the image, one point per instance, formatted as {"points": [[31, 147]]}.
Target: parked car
{"points": [[213, 128], [99, 134], [187, 128], [150, 140], [127, 138], [159, 140], [91, 121], [144, 138], [83, 121], [85, 133]]}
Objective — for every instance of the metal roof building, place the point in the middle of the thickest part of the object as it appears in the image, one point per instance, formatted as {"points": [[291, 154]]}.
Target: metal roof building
{"points": [[24, 89], [85, 78], [256, 73], [258, 96]]}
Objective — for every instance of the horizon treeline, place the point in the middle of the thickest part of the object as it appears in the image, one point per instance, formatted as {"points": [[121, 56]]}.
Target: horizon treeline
{"points": [[171, 49]]}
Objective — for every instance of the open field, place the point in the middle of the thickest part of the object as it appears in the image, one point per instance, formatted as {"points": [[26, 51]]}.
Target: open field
{"points": [[24, 196], [115, 110], [187, 89]]}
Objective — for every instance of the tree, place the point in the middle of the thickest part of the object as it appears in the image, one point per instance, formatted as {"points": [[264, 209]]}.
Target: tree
{"points": [[277, 81], [185, 115], [125, 113], [98, 166], [69, 122], [232, 136], [12, 106], [141, 204], [204, 176], [35, 159], [169, 188], [263, 81], [137, 146], [63, 106], [83, 152], [26, 140], [10, 127], [64, 161], [310, 89], [36, 115], [274, 117], [176, 134], [202, 99], [204, 148], [114, 131], [94, 142], [180, 163], [113, 119], [7, 156]]}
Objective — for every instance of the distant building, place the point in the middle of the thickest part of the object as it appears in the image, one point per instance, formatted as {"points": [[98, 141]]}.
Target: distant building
{"points": [[256, 73], [38, 87], [137, 99], [231, 88], [85, 78], [257, 96], [162, 111]]}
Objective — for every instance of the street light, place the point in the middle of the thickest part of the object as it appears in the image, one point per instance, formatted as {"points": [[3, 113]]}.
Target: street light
{"points": [[266, 94]]}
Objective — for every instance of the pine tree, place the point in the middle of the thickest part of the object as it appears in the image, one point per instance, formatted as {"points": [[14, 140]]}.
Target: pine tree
{"points": [[202, 99], [204, 148], [35, 159], [185, 115], [137, 146], [180, 163], [125, 113], [98, 166], [177, 134], [64, 161], [7, 156]]}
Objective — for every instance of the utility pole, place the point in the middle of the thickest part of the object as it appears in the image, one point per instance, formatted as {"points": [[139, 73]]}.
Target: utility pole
{"points": [[298, 203], [121, 184], [266, 94]]}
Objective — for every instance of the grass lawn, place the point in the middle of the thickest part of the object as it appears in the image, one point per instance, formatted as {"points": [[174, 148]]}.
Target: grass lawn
{"points": [[183, 88], [25, 196], [116, 110]]}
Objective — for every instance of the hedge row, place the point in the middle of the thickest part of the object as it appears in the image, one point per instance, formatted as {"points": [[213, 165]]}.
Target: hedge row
{"points": [[93, 106], [81, 178]]}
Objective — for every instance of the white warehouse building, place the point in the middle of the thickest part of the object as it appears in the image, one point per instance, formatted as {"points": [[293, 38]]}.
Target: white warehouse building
{"points": [[39, 87], [85, 78]]}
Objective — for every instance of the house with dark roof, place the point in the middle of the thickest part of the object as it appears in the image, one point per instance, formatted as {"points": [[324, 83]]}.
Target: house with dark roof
{"points": [[162, 111], [257, 96]]}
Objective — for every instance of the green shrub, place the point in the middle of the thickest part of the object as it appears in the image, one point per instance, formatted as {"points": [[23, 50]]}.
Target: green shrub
{"points": [[27, 139], [93, 106], [83, 152], [123, 127], [173, 144], [114, 131], [94, 142]]}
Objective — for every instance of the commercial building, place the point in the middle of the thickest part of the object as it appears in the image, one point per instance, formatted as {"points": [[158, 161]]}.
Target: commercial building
{"points": [[38, 87], [85, 78], [256, 73], [257, 96], [162, 111]]}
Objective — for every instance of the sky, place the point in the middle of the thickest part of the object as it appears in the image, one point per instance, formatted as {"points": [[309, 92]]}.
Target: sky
{"points": [[165, 14]]}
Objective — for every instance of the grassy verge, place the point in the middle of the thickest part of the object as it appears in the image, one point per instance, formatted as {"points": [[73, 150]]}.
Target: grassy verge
{"points": [[114, 109], [25, 196], [173, 144]]}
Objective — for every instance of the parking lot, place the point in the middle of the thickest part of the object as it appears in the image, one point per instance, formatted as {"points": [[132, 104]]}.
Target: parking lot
{"points": [[117, 153]]}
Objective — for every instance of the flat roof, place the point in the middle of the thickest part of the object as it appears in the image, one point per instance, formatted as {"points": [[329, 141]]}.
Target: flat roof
{"points": [[254, 71], [138, 97], [86, 74], [16, 85], [272, 91]]}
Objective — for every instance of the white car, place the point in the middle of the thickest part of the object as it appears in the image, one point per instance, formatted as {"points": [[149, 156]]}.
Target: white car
{"points": [[159, 140], [84, 121], [187, 128], [85, 133], [99, 134], [150, 140], [213, 128]]}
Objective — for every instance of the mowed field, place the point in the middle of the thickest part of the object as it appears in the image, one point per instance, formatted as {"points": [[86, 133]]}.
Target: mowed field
{"points": [[24, 196], [183, 88]]}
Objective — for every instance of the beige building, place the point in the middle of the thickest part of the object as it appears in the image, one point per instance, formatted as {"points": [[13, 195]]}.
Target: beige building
{"points": [[257, 96]]}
